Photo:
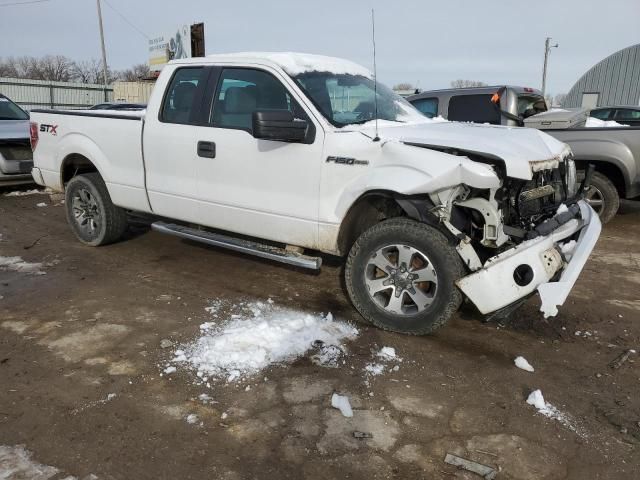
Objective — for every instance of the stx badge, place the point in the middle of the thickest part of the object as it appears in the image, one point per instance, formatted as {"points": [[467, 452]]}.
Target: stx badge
{"points": [[52, 129]]}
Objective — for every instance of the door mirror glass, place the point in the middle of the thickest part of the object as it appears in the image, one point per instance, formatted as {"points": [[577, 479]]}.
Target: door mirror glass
{"points": [[278, 125]]}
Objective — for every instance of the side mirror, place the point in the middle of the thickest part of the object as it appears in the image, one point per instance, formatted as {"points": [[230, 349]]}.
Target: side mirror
{"points": [[278, 125]]}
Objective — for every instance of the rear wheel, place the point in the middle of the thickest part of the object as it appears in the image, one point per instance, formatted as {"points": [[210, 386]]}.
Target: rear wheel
{"points": [[94, 219], [401, 276], [603, 197]]}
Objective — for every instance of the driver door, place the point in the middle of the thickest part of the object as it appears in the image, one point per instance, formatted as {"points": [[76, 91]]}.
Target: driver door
{"points": [[261, 188]]}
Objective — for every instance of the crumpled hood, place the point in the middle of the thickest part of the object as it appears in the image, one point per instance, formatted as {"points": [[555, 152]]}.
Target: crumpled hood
{"points": [[523, 150], [14, 129]]}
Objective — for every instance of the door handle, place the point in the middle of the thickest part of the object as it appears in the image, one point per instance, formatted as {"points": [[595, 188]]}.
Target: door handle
{"points": [[207, 149]]}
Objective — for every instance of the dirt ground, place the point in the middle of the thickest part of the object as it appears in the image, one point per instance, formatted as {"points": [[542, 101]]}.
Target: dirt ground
{"points": [[92, 326]]}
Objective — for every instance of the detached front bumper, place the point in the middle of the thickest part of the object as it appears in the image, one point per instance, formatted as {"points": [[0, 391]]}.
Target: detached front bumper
{"points": [[518, 272]]}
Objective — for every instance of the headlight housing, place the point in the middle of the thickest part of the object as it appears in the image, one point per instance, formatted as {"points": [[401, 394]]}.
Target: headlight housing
{"points": [[571, 177]]}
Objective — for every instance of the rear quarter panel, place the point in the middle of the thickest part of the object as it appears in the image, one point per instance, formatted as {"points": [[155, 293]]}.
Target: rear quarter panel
{"points": [[113, 145]]}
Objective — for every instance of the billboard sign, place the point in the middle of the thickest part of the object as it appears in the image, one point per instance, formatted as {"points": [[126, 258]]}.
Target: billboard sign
{"points": [[175, 45]]}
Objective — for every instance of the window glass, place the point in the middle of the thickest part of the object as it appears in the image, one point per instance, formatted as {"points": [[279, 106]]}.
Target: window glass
{"points": [[243, 91], [602, 113], [529, 105], [345, 99], [11, 111], [474, 108], [179, 102], [627, 114], [428, 106]]}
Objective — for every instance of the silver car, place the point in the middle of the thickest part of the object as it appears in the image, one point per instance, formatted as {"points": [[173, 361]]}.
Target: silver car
{"points": [[16, 157]]}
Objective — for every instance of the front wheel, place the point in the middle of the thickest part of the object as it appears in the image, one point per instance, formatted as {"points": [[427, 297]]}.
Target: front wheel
{"points": [[94, 219], [401, 276], [603, 197]]}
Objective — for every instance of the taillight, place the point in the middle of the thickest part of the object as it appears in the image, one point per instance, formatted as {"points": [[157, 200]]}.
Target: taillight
{"points": [[34, 135]]}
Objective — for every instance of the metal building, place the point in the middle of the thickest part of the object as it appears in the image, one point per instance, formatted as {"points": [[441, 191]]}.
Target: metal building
{"points": [[613, 81]]}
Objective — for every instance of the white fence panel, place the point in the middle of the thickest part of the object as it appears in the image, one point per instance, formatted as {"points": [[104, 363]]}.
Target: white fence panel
{"points": [[31, 94]]}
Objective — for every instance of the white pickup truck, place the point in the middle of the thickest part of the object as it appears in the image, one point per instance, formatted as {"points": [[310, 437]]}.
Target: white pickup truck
{"points": [[285, 155]]}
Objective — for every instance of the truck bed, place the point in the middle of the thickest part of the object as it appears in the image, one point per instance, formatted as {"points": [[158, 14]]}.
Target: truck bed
{"points": [[113, 142]]}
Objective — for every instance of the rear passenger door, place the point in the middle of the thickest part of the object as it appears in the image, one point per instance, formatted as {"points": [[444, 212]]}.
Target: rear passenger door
{"points": [[169, 145], [262, 188]]}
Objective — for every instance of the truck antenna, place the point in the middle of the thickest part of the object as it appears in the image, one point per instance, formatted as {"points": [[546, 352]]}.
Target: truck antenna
{"points": [[375, 72]]}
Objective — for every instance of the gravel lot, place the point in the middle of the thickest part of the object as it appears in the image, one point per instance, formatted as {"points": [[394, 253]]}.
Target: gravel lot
{"points": [[82, 395]]}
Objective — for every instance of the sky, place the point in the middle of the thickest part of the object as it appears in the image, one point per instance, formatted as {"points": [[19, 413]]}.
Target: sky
{"points": [[427, 43]]}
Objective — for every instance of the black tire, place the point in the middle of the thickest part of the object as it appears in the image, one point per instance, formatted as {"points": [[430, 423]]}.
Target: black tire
{"points": [[441, 256], [603, 196], [93, 218]]}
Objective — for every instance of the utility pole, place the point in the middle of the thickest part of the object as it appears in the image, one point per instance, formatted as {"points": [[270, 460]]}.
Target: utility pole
{"points": [[104, 51], [547, 49]]}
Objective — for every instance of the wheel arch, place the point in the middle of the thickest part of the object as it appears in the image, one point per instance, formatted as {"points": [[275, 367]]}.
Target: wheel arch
{"points": [[74, 164], [374, 206], [610, 170]]}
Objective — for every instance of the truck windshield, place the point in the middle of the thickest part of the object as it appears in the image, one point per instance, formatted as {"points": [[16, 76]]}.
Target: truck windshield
{"points": [[529, 105], [11, 111], [346, 99]]}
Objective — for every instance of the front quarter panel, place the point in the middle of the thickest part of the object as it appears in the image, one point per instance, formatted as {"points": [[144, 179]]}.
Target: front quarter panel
{"points": [[390, 166]]}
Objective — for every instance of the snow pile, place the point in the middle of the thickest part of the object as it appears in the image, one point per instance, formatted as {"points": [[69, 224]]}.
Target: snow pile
{"points": [[342, 403], [384, 356], [260, 336], [17, 264], [593, 122], [41, 204], [537, 400], [522, 364]]}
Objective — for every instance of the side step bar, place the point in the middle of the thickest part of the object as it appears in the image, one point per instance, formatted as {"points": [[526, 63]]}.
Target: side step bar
{"points": [[239, 245]]}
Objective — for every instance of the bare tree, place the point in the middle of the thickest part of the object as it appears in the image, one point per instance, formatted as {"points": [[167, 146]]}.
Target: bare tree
{"points": [[135, 73], [88, 71], [460, 83], [404, 86], [51, 67]]}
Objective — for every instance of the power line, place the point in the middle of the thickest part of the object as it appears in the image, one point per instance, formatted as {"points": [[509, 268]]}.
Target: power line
{"points": [[29, 2], [131, 24]]}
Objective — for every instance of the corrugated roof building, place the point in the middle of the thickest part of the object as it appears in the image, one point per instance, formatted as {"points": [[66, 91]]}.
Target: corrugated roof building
{"points": [[613, 81]]}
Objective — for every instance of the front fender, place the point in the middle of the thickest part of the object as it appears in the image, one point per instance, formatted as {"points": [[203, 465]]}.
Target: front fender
{"points": [[410, 170]]}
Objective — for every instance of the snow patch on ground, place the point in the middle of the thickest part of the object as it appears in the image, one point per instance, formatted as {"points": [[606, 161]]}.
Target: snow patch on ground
{"points": [[597, 123], [522, 364], [259, 335], [16, 463], [41, 204], [342, 403], [22, 193], [17, 264], [383, 358], [537, 400]]}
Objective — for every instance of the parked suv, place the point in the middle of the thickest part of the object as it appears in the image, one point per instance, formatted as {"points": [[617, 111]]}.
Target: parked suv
{"points": [[16, 158]]}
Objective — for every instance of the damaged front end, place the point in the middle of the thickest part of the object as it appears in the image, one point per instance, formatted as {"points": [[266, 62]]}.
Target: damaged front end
{"points": [[524, 236]]}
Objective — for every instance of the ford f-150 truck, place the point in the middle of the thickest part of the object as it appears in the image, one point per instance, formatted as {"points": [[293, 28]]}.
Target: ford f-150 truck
{"points": [[283, 155]]}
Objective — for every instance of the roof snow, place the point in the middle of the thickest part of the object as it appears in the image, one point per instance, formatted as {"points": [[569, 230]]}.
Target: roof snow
{"points": [[297, 63]]}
